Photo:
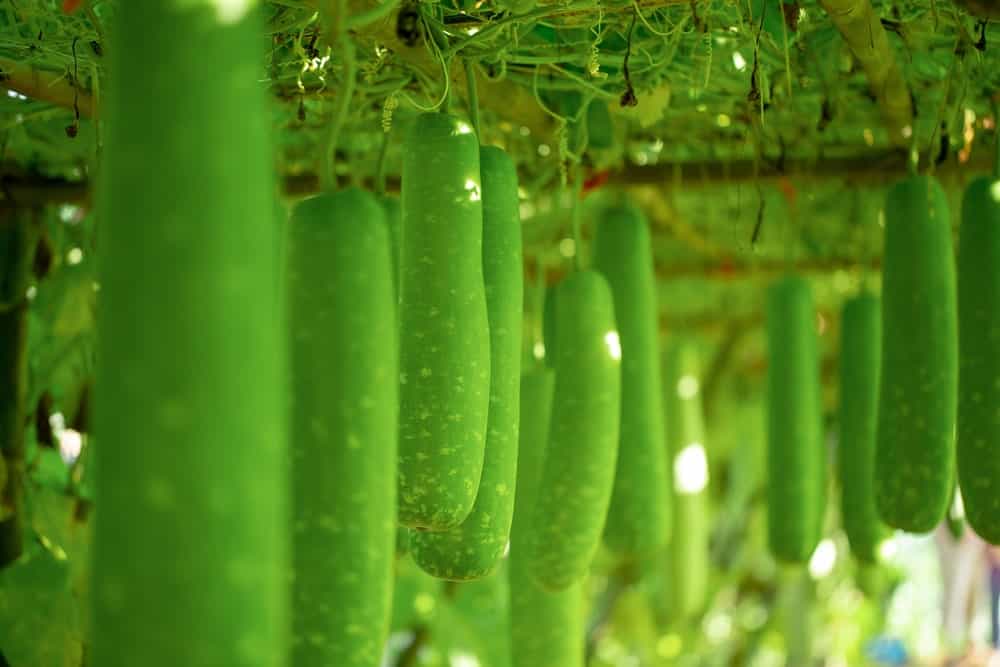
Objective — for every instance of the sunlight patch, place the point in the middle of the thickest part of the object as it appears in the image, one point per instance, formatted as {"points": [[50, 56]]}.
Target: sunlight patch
{"points": [[227, 11]]}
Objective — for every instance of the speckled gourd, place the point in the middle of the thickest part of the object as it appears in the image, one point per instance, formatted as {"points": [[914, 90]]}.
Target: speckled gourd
{"points": [[575, 487], [918, 389], [473, 549], [344, 388], [979, 357], [444, 334]]}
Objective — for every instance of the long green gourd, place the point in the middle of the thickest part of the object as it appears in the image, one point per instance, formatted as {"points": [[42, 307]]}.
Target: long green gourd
{"points": [[190, 543], [689, 544], [547, 629], [915, 451], [445, 342], [575, 487], [639, 516], [796, 458], [979, 357], [344, 379], [859, 366], [473, 549]]}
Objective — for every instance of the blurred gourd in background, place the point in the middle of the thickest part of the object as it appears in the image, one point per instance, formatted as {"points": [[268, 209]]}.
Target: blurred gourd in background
{"points": [[499, 333]]}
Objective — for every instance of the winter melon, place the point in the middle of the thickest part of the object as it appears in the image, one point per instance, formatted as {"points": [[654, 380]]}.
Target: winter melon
{"points": [[190, 537], [578, 474], [473, 549], [796, 458], [546, 627], [979, 358], [344, 388], [444, 335], [918, 389], [639, 517], [859, 363], [689, 544]]}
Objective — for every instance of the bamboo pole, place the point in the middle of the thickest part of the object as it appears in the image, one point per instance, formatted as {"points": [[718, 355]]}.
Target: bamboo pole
{"points": [[47, 86], [869, 169]]}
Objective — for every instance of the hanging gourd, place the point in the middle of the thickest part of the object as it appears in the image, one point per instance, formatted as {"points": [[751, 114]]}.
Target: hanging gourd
{"points": [[473, 549], [918, 388], [190, 541], [546, 627], [979, 357], [689, 544], [344, 388], [444, 335], [859, 366], [796, 456], [578, 474], [639, 516]]}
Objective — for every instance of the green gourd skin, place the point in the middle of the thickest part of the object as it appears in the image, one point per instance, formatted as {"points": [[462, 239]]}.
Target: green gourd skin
{"points": [[344, 379], [575, 487], [979, 358], [915, 452], [859, 363], [600, 126], [549, 324], [689, 544], [796, 457], [639, 517], [473, 550], [445, 340], [547, 629], [190, 538]]}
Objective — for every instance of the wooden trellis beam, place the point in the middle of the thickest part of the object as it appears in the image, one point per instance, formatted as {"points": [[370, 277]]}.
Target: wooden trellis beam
{"points": [[870, 169]]}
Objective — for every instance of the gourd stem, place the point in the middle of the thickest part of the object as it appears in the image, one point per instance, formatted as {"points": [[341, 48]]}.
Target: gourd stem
{"points": [[470, 77], [328, 173], [576, 212]]}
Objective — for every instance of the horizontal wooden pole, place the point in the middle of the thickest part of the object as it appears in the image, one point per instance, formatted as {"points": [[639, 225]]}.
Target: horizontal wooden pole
{"points": [[871, 169]]}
